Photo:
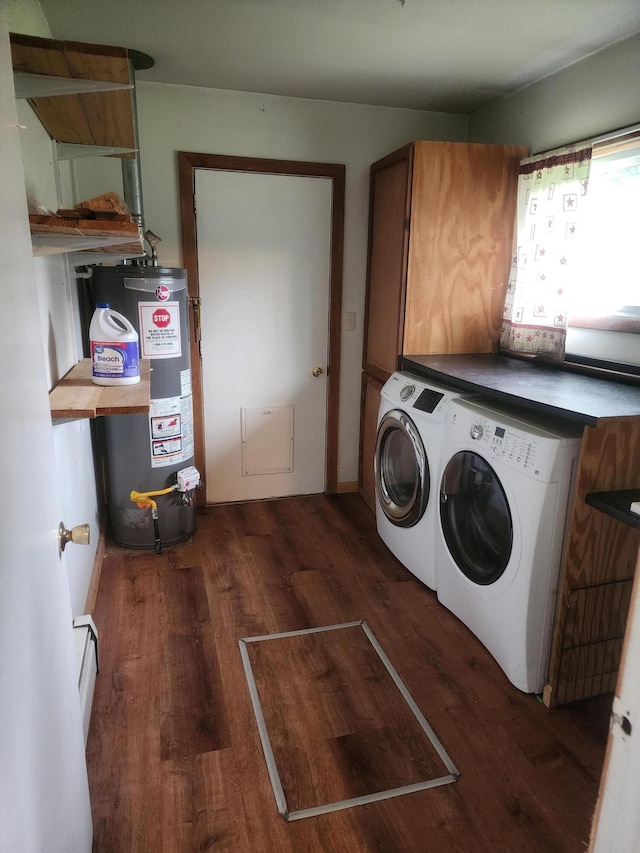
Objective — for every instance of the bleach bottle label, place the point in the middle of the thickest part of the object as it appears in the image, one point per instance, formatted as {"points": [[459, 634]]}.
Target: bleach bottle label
{"points": [[114, 348], [115, 359]]}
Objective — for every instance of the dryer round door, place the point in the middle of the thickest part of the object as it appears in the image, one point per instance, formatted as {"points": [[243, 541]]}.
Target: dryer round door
{"points": [[475, 517], [401, 470]]}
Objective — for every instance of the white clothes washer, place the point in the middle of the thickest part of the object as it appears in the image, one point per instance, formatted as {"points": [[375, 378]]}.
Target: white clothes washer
{"points": [[411, 420], [505, 496]]}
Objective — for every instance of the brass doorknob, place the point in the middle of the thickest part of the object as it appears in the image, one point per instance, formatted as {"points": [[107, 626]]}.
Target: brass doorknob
{"points": [[79, 535], [317, 371]]}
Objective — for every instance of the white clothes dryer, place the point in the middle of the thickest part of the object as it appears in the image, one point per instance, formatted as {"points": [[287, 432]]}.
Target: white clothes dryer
{"points": [[505, 496], [411, 420]]}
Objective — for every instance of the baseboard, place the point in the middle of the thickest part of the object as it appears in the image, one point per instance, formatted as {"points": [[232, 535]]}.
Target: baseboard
{"points": [[94, 583], [86, 643], [347, 487]]}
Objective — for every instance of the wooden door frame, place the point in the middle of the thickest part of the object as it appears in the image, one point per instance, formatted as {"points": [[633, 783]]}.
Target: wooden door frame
{"points": [[188, 162]]}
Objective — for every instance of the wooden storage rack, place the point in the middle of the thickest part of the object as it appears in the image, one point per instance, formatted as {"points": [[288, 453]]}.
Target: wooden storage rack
{"points": [[81, 95]]}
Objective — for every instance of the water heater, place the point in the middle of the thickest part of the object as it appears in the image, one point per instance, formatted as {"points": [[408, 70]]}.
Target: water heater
{"points": [[144, 453]]}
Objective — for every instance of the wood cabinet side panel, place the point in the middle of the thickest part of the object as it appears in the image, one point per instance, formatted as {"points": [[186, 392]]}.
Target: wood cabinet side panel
{"points": [[600, 555], [463, 210], [388, 230], [371, 388]]}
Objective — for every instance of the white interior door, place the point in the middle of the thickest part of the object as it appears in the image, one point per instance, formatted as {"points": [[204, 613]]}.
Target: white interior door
{"points": [[264, 250], [44, 797], [616, 826]]}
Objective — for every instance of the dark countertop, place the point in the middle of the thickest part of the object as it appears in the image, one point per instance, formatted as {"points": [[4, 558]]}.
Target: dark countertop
{"points": [[616, 504], [584, 399]]}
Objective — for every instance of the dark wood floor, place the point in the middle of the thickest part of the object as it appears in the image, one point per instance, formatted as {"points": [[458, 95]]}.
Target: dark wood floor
{"points": [[175, 761]]}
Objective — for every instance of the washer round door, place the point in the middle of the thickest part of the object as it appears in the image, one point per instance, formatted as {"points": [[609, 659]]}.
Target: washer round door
{"points": [[401, 470], [475, 517]]}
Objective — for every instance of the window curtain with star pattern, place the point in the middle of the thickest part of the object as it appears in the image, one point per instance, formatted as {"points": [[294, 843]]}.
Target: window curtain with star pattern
{"points": [[552, 191]]}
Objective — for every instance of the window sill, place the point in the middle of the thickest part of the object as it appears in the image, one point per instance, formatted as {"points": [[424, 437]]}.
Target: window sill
{"points": [[613, 323], [612, 370]]}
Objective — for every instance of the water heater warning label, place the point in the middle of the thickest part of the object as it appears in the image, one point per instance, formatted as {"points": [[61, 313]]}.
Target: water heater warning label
{"points": [[171, 430], [159, 329], [165, 427], [167, 448]]}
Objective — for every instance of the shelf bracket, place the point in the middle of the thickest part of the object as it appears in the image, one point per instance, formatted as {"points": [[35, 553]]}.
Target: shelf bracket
{"points": [[73, 151], [46, 86]]}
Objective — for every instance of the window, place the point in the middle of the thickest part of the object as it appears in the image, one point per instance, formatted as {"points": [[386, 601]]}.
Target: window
{"points": [[604, 322]]}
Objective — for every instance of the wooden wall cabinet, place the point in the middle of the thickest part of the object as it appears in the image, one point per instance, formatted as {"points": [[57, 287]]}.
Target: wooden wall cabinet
{"points": [[440, 242], [441, 218]]}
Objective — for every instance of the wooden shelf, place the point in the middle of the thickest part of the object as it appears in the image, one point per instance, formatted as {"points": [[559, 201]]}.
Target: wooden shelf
{"points": [[102, 118], [76, 396]]}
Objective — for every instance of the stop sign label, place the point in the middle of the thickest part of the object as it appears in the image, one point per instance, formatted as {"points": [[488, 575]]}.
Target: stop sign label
{"points": [[161, 318], [159, 329]]}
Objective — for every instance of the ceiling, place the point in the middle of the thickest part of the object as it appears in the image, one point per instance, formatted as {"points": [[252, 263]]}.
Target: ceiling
{"points": [[445, 55]]}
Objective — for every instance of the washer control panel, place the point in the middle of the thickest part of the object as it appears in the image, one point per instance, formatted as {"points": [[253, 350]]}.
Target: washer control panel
{"points": [[534, 447], [500, 441]]}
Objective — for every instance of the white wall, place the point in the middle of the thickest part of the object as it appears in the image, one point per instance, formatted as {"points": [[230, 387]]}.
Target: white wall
{"points": [[184, 118], [587, 99], [76, 495], [26, 16]]}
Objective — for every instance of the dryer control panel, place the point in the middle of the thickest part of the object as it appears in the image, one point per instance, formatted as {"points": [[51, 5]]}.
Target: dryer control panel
{"points": [[412, 393], [428, 399]]}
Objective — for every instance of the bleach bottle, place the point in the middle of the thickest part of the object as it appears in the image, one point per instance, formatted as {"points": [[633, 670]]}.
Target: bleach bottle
{"points": [[114, 348]]}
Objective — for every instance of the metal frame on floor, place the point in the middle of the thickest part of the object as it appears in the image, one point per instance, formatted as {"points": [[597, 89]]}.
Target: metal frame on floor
{"points": [[276, 783]]}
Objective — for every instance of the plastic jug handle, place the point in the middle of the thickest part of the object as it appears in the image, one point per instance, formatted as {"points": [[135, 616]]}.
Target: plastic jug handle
{"points": [[119, 323]]}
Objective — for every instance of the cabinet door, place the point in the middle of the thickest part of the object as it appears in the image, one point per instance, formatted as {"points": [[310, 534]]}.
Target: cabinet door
{"points": [[371, 388], [462, 219], [387, 262]]}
